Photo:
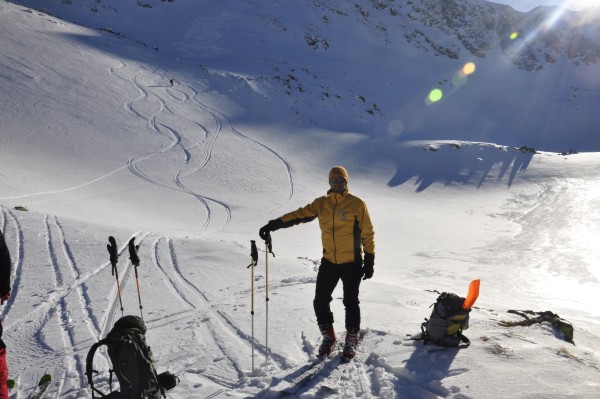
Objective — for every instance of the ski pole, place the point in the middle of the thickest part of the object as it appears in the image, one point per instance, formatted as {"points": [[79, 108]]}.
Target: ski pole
{"points": [[254, 256], [114, 258], [135, 260], [268, 248], [267, 302]]}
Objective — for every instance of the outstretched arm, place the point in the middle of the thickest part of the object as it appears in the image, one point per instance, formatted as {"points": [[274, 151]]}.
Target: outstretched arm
{"points": [[301, 215]]}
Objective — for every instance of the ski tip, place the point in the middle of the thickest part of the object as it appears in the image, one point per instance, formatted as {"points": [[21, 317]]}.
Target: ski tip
{"points": [[46, 378]]}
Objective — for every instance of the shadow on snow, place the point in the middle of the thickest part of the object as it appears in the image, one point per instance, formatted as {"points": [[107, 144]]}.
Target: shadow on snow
{"points": [[449, 164]]}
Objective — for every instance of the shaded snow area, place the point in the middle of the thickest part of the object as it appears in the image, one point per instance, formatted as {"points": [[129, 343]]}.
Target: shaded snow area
{"points": [[97, 142]]}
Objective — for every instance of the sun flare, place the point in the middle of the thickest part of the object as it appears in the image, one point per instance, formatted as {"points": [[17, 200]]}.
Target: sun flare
{"points": [[580, 4]]}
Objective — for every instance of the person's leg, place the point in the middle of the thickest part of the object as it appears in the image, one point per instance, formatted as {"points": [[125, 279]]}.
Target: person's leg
{"points": [[327, 279], [351, 278]]}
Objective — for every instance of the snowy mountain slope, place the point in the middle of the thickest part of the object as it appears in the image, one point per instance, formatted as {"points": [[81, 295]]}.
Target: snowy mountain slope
{"points": [[176, 130], [378, 61], [96, 143]]}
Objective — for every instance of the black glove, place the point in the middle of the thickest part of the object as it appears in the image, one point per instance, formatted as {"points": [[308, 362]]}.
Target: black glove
{"points": [[265, 231], [368, 264]]}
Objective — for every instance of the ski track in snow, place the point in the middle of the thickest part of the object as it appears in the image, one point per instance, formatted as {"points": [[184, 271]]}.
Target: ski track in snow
{"points": [[173, 286], [355, 379], [217, 321], [176, 142], [217, 115], [72, 360], [177, 139], [31, 327], [82, 291], [34, 326]]}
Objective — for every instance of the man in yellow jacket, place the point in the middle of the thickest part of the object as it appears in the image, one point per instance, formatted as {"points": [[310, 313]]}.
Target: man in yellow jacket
{"points": [[346, 232]]}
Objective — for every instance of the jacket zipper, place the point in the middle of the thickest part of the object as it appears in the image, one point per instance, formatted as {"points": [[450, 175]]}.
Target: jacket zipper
{"points": [[333, 231]]}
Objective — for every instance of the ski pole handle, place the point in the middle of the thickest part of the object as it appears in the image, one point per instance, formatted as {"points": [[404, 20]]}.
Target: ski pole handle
{"points": [[112, 251], [253, 254], [133, 256], [114, 258]]}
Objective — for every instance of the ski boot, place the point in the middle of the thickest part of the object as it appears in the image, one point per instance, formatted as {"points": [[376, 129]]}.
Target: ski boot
{"points": [[351, 344], [328, 342]]}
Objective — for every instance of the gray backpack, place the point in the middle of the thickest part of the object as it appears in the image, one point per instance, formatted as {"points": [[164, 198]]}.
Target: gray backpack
{"points": [[132, 363], [447, 322]]}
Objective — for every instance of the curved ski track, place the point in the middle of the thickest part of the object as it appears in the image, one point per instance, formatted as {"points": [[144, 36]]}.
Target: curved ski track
{"points": [[177, 139], [217, 322], [176, 142], [217, 115]]}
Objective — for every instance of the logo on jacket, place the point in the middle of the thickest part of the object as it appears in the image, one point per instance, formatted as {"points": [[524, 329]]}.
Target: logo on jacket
{"points": [[342, 215]]}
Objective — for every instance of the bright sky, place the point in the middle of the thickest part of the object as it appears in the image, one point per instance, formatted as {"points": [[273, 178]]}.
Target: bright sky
{"points": [[526, 5]]}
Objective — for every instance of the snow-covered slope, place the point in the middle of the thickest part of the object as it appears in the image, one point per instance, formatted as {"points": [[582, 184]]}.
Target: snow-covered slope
{"points": [[96, 142], [369, 65]]}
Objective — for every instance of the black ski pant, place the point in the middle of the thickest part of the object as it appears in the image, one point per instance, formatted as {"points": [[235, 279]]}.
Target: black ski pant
{"points": [[327, 279]]}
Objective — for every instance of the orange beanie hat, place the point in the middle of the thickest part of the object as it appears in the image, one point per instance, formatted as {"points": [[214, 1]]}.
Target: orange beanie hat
{"points": [[338, 171]]}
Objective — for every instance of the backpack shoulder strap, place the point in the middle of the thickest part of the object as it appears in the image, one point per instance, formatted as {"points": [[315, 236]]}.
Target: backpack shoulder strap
{"points": [[89, 361], [89, 365], [423, 335], [464, 339]]}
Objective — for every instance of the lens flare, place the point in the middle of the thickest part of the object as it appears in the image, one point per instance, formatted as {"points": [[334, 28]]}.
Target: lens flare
{"points": [[434, 96], [395, 128], [459, 79], [468, 69]]}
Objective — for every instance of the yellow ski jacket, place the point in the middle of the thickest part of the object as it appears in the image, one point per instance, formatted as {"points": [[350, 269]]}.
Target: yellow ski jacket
{"points": [[346, 228]]}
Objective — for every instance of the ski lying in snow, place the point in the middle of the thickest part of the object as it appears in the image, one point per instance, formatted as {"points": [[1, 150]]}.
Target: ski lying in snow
{"points": [[295, 381], [41, 387], [331, 382], [298, 379]]}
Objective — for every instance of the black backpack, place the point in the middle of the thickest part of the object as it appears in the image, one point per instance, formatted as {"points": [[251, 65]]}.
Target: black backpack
{"points": [[132, 363], [447, 322]]}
